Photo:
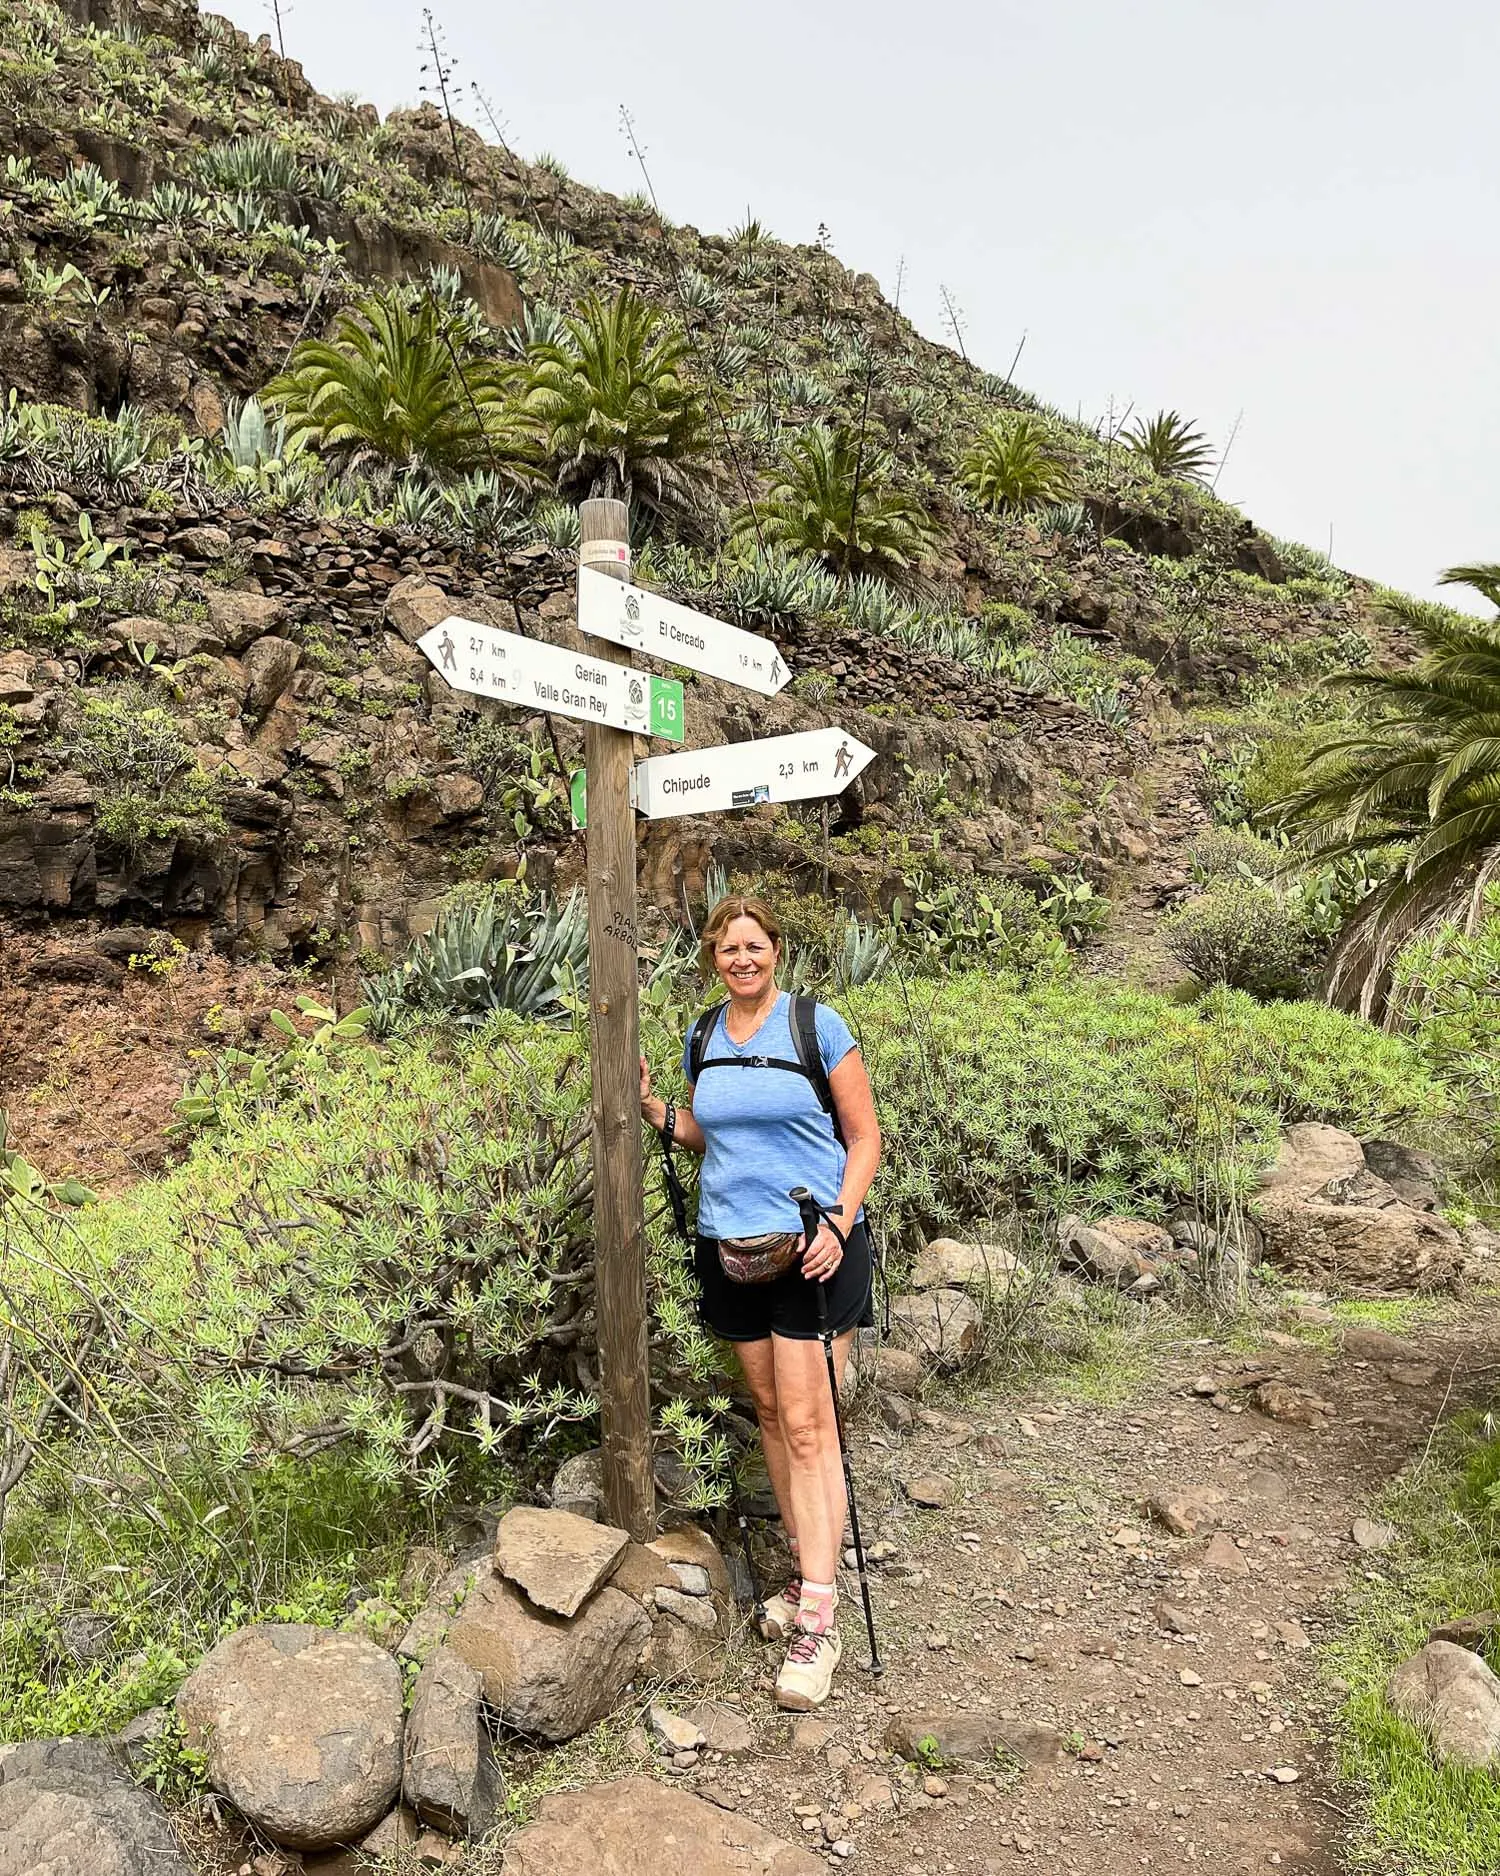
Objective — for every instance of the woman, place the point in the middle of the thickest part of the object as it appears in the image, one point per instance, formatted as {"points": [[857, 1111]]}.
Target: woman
{"points": [[761, 1131]]}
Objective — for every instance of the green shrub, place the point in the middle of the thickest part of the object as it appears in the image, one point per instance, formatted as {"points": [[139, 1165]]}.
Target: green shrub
{"points": [[1412, 1811], [1241, 933], [1446, 993], [148, 785], [1069, 1093], [1232, 853]]}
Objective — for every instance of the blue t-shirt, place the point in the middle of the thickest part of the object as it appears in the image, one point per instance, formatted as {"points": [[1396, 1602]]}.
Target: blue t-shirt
{"points": [[765, 1130]]}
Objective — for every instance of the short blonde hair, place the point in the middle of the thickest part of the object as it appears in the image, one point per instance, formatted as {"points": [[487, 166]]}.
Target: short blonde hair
{"points": [[731, 907]]}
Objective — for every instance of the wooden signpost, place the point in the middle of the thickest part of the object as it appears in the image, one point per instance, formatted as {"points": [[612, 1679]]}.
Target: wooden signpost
{"points": [[616, 702]]}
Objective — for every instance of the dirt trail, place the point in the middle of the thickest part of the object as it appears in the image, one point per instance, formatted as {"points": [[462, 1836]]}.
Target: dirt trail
{"points": [[1131, 946], [1037, 1595]]}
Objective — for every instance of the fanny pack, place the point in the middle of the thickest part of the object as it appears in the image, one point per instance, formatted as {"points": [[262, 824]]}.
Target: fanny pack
{"points": [[759, 1259]]}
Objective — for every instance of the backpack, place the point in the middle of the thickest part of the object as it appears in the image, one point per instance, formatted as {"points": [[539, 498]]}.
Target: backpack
{"points": [[802, 1019]]}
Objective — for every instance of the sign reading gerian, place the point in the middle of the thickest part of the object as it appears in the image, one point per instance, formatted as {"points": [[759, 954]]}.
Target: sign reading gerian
{"points": [[534, 675]]}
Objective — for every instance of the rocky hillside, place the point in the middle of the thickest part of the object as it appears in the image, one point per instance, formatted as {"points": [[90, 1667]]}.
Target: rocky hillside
{"points": [[213, 723]]}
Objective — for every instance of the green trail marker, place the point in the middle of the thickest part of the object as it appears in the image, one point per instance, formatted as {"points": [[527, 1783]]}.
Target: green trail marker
{"points": [[578, 794], [666, 708]]}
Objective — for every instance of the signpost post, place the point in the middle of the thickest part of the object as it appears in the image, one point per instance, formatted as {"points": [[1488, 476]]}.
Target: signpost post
{"points": [[614, 1029], [616, 702]]}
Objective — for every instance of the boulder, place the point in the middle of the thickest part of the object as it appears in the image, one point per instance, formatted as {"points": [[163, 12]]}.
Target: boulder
{"points": [[694, 1611], [544, 1675], [557, 1558], [724, 1728], [238, 619], [203, 543], [1452, 1695], [1361, 1247], [430, 1625], [897, 1370], [450, 1776], [388, 1846], [414, 605], [302, 1730], [68, 1809], [578, 1485], [1109, 1254], [636, 1827], [1184, 1513], [1412, 1175], [640, 1573], [973, 1738], [947, 1263], [269, 664], [1313, 1161], [942, 1325], [688, 1545]]}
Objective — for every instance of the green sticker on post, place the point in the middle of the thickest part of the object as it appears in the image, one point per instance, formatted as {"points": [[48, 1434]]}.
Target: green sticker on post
{"points": [[666, 708], [578, 795]]}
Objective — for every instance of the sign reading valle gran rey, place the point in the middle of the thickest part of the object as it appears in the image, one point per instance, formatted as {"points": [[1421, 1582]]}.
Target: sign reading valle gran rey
{"points": [[537, 676]]}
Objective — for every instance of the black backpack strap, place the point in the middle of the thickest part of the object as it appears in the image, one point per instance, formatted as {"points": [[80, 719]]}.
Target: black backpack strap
{"points": [[804, 1027], [698, 1037]]}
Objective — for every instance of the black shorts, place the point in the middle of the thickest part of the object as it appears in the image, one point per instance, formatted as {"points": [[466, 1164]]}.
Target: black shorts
{"points": [[788, 1304]]}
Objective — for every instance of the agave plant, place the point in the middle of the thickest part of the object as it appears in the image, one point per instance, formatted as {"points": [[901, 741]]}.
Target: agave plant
{"points": [[1419, 778], [497, 953], [801, 390], [249, 439], [616, 414], [176, 207], [698, 293], [772, 587], [871, 606], [485, 508], [326, 182], [243, 214], [497, 238], [88, 195], [1067, 521], [256, 165], [1014, 466], [541, 325], [392, 384], [831, 499], [1172, 445], [416, 504], [556, 523]]}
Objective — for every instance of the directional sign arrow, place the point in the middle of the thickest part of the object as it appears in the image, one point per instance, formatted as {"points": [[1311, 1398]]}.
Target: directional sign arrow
{"points": [[741, 775], [630, 616], [534, 675]]}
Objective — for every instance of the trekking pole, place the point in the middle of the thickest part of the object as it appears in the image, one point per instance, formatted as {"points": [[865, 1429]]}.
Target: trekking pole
{"points": [[812, 1215]]}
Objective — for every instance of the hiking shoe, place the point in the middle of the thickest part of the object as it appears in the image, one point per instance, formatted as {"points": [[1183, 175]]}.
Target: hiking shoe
{"points": [[806, 1677], [777, 1615]]}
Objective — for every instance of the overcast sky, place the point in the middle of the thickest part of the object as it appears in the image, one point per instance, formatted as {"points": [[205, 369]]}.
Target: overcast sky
{"points": [[1280, 212]]}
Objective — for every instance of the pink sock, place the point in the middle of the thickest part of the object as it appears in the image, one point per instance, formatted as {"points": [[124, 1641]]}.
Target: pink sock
{"points": [[815, 1612]]}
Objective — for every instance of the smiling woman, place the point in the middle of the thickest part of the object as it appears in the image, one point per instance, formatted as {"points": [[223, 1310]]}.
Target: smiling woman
{"points": [[797, 1111]]}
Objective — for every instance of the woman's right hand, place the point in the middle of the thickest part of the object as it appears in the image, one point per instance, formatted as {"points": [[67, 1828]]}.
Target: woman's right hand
{"points": [[645, 1082]]}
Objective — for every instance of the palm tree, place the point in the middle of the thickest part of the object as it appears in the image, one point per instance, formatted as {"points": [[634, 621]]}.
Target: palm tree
{"points": [[614, 411], [827, 500], [1421, 777], [1013, 466], [393, 382], [1171, 445]]}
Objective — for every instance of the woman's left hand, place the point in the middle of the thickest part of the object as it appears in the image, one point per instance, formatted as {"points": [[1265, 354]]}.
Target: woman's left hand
{"points": [[823, 1256]]}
